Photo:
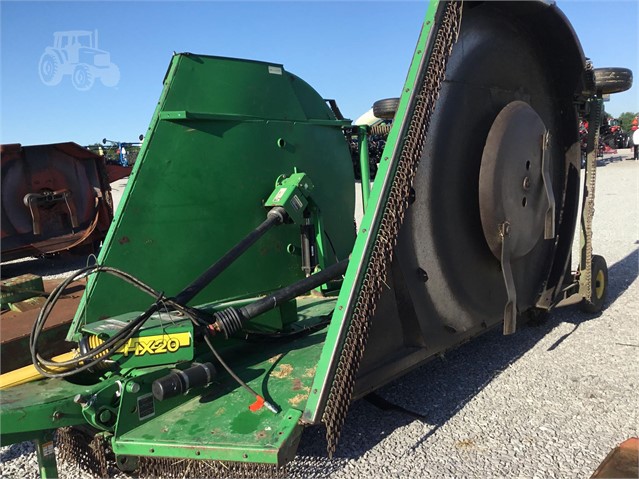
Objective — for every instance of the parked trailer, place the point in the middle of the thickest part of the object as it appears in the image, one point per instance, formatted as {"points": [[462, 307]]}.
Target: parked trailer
{"points": [[55, 198]]}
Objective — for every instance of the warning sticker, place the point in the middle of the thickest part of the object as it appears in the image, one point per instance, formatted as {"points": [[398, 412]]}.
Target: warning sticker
{"points": [[47, 449], [146, 407], [279, 195], [274, 70]]}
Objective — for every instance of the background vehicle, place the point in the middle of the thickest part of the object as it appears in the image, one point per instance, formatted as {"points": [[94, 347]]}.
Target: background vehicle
{"points": [[54, 198], [613, 134]]}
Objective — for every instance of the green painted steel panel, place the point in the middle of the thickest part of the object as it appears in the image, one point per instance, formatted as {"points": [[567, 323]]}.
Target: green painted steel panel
{"points": [[199, 185], [216, 423]]}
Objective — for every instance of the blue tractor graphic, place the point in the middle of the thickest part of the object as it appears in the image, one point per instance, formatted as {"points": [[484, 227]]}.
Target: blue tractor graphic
{"points": [[76, 53]]}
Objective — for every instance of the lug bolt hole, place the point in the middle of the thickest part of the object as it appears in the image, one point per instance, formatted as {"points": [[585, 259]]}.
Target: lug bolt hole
{"points": [[528, 165], [524, 201]]}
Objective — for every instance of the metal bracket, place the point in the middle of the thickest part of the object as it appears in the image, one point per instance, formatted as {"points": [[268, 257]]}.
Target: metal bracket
{"points": [[510, 310], [549, 227], [45, 452], [35, 200]]}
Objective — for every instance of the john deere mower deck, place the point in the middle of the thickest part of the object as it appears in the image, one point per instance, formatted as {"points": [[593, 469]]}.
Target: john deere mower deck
{"points": [[235, 303]]}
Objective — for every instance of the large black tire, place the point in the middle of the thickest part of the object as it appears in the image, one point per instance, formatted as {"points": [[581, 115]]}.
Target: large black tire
{"points": [[612, 80], [623, 141], [598, 286], [386, 108]]}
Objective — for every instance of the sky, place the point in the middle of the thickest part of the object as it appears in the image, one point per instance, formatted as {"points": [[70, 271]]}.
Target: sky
{"points": [[355, 52]]}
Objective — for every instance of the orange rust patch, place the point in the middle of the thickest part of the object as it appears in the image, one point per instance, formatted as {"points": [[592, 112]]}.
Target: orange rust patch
{"points": [[309, 373], [220, 411], [465, 444], [274, 359], [283, 371], [294, 401]]}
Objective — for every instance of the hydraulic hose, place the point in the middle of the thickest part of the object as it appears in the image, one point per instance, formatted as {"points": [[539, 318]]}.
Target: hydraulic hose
{"points": [[85, 361]]}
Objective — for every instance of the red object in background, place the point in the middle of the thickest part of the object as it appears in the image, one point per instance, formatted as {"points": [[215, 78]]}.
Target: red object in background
{"points": [[117, 172], [54, 198], [621, 463]]}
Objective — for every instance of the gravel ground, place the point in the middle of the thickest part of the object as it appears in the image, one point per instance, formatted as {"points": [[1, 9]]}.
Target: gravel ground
{"points": [[550, 401]]}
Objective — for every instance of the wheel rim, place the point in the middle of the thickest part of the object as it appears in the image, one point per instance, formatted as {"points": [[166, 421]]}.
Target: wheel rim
{"points": [[491, 66]]}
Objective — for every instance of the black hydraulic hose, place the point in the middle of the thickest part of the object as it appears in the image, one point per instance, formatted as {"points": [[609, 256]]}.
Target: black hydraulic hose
{"points": [[275, 216], [259, 399], [87, 360], [230, 320]]}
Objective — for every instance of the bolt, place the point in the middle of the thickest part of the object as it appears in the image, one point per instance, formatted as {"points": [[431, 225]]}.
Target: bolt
{"points": [[57, 415], [80, 399], [422, 274], [132, 387], [526, 184], [105, 416]]}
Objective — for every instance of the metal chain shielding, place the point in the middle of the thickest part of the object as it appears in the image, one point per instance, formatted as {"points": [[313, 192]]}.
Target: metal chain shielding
{"points": [[392, 218], [585, 273], [169, 468], [90, 453]]}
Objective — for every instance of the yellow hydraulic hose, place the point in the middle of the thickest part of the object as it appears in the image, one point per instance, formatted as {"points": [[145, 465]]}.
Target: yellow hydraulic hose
{"points": [[29, 373]]}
